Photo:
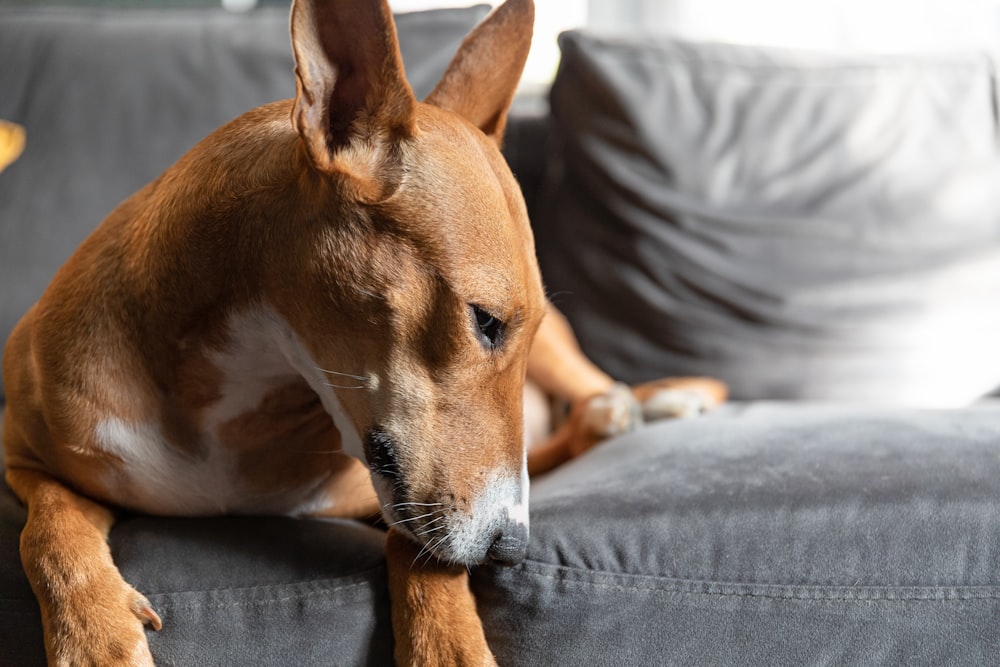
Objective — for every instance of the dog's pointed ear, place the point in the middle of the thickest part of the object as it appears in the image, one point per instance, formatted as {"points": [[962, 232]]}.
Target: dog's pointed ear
{"points": [[352, 99], [481, 80]]}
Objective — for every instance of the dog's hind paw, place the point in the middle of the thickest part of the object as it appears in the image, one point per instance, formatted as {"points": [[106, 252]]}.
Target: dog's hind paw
{"points": [[612, 413], [675, 398]]}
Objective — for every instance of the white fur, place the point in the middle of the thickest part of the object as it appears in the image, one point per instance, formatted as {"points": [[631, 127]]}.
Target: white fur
{"points": [[297, 356], [161, 479], [263, 354], [503, 498], [251, 365]]}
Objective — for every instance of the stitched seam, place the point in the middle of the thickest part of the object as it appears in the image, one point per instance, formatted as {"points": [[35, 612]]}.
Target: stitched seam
{"points": [[565, 575], [192, 604], [268, 587]]}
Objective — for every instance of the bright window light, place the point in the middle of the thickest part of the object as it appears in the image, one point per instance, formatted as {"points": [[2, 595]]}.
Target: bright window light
{"points": [[837, 25], [551, 18], [843, 25]]}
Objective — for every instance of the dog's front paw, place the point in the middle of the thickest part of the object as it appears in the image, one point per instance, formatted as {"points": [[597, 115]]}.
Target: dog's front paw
{"points": [[434, 618], [101, 626]]}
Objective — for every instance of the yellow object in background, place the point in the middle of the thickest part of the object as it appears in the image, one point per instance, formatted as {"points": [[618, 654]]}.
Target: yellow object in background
{"points": [[11, 143]]}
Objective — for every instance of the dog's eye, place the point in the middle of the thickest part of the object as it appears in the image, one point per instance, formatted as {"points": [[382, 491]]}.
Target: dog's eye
{"points": [[489, 329]]}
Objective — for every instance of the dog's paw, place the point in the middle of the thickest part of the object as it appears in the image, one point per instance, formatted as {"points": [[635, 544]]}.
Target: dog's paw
{"points": [[434, 616], [602, 416], [622, 409], [452, 656], [105, 628], [674, 398], [612, 413]]}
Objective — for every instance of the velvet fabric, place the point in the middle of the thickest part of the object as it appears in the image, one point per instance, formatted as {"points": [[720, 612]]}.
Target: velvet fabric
{"points": [[765, 534]]}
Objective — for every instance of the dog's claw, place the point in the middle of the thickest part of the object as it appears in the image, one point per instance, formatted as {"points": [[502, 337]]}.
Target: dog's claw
{"points": [[145, 613]]}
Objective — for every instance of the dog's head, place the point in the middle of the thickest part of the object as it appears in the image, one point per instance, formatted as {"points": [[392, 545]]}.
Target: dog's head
{"points": [[421, 293]]}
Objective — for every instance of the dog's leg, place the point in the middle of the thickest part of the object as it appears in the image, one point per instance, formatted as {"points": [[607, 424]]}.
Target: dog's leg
{"points": [[557, 364], [599, 407], [434, 616], [91, 616]]}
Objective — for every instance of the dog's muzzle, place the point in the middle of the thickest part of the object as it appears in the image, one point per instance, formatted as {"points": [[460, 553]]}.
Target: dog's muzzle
{"points": [[492, 532]]}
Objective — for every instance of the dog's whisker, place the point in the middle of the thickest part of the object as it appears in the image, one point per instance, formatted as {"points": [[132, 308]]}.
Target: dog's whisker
{"points": [[368, 293], [412, 518], [419, 554], [429, 526], [428, 551], [362, 378], [343, 386]]}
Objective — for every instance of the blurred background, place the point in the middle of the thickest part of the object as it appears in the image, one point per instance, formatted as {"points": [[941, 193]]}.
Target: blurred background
{"points": [[840, 25]]}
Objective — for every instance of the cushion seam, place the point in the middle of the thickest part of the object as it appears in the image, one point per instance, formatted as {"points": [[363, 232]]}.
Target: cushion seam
{"points": [[817, 592], [362, 578], [164, 600]]}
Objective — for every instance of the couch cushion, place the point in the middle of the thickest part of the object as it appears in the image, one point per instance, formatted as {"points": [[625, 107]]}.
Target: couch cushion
{"points": [[763, 535], [803, 226], [112, 98]]}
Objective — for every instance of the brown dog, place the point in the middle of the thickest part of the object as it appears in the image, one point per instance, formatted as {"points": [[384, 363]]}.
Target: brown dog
{"points": [[347, 276]]}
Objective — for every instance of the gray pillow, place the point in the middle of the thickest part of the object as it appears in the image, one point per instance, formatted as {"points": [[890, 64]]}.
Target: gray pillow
{"points": [[112, 98], [800, 225]]}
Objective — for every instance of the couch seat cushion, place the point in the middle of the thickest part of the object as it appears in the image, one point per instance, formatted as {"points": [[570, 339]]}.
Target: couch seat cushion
{"points": [[763, 535]]}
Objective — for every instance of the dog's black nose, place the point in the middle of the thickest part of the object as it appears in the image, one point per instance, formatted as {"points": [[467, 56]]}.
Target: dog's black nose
{"points": [[510, 545], [380, 451]]}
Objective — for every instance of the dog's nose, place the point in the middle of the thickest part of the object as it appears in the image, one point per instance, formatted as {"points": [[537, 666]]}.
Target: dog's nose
{"points": [[510, 545]]}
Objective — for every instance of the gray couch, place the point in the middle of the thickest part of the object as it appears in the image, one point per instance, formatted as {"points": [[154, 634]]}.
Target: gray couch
{"points": [[823, 233]]}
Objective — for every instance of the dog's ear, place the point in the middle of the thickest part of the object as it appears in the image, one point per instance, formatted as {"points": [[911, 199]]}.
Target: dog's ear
{"points": [[481, 80], [352, 101]]}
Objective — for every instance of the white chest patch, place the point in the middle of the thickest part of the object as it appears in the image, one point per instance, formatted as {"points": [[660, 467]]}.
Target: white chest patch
{"points": [[160, 480], [261, 355], [279, 333]]}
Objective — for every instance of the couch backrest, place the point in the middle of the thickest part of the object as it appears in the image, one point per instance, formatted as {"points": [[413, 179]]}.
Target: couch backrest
{"points": [[803, 225], [111, 98]]}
